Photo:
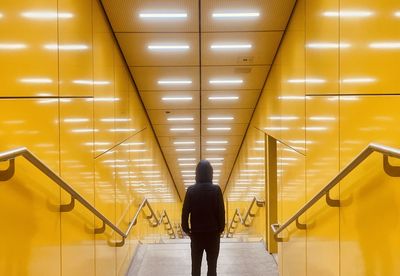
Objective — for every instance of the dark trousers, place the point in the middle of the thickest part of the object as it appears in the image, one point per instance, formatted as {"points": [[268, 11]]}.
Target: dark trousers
{"points": [[210, 243]]}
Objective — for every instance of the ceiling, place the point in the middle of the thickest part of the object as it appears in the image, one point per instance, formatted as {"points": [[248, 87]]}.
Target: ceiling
{"points": [[199, 67]]}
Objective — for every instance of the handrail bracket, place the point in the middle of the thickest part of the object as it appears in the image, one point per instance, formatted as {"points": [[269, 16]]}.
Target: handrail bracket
{"points": [[332, 202], [101, 229], [68, 207], [389, 169], [9, 172], [301, 226]]}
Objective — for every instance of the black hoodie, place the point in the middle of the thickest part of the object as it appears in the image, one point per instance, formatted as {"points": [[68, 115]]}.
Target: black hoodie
{"points": [[204, 202]]}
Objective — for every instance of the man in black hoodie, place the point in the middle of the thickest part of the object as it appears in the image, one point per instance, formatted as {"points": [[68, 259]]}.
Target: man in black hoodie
{"points": [[205, 205]]}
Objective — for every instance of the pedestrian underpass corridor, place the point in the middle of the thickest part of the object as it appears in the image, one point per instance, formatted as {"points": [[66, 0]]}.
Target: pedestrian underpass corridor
{"points": [[235, 259]]}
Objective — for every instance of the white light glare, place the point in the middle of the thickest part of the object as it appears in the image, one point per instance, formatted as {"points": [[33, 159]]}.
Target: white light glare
{"points": [[90, 82], [185, 149], [76, 120], [236, 14], [46, 15], [186, 159], [163, 15], [177, 98], [216, 142], [228, 118], [217, 98], [397, 14], [174, 82], [385, 45], [359, 80], [182, 129], [36, 80], [218, 128], [231, 46], [184, 143], [327, 45], [180, 119], [226, 81], [348, 14], [12, 46], [168, 47]]}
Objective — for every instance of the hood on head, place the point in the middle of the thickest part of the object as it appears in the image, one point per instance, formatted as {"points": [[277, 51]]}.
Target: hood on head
{"points": [[204, 172]]}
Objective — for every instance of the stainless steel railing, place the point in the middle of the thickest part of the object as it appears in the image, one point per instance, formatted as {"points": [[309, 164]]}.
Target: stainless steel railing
{"points": [[24, 152], [243, 219], [385, 150]]}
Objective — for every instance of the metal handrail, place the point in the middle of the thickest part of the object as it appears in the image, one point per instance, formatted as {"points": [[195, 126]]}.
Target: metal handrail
{"points": [[373, 147], [28, 155], [243, 220]]}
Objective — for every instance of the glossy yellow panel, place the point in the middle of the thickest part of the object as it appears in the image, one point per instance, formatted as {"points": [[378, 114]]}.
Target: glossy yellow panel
{"points": [[373, 196], [28, 67], [105, 203], [292, 195], [292, 55], [322, 143], [77, 169], [103, 82], [322, 47], [123, 176], [75, 38], [370, 30], [30, 233]]}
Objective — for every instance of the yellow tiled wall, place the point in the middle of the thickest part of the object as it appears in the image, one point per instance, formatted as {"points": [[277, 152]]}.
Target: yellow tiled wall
{"points": [[331, 91], [67, 96]]}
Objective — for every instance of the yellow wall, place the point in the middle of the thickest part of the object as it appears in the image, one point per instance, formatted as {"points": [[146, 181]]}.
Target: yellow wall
{"points": [[79, 112], [331, 91]]}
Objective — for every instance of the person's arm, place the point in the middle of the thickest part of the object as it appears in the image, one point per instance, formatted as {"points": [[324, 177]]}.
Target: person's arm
{"points": [[221, 211], [185, 214]]}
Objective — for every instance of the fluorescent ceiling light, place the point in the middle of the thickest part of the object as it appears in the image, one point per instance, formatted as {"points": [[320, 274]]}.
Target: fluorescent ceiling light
{"points": [[231, 46], [218, 128], [182, 129], [327, 45], [225, 81], [180, 119], [66, 47], [185, 149], [137, 150], [359, 80], [122, 129], [349, 14], [168, 47], [385, 45], [177, 98], [397, 14], [46, 15], [256, 158], [133, 144], [12, 46], [167, 82], [236, 15], [184, 143], [163, 15], [142, 160], [217, 142], [295, 98], [283, 118], [186, 159], [322, 118], [84, 130], [215, 158], [228, 118], [36, 80], [217, 98], [90, 82], [76, 120], [112, 120], [215, 149]]}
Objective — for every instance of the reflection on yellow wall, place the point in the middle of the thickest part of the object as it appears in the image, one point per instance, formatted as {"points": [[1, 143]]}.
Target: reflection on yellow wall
{"points": [[67, 96], [331, 91]]}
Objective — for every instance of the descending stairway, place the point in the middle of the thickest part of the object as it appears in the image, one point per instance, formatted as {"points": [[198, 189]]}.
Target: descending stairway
{"points": [[235, 259]]}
